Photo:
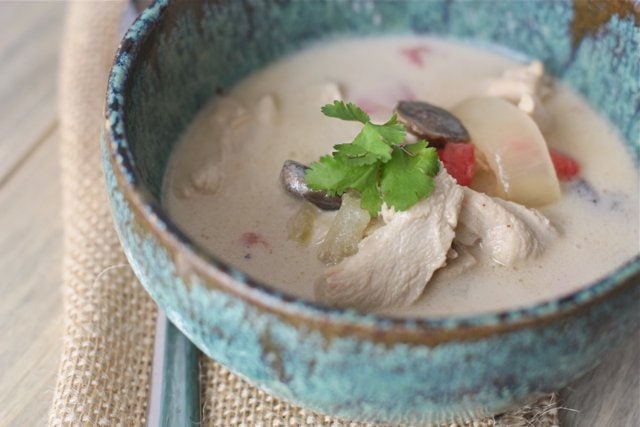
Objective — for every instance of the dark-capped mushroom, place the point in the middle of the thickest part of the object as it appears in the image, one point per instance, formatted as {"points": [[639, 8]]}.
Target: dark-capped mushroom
{"points": [[435, 124], [292, 178]]}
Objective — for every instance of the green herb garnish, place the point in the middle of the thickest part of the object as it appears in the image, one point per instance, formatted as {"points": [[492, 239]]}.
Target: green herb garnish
{"points": [[377, 163]]}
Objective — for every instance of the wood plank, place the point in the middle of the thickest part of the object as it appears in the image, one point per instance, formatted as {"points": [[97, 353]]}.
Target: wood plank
{"points": [[30, 41], [31, 239], [31, 327]]}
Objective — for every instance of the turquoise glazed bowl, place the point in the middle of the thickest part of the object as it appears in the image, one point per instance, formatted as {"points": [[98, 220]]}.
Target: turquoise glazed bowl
{"points": [[180, 54]]}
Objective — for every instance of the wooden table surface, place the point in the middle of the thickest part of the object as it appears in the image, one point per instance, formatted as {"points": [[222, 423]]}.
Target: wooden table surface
{"points": [[30, 224], [31, 327]]}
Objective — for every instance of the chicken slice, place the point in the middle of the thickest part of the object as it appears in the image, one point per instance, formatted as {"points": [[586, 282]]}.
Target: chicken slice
{"points": [[394, 263], [526, 87], [507, 232]]}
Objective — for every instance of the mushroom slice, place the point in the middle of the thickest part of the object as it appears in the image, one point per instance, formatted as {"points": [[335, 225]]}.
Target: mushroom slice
{"points": [[435, 124], [292, 178]]}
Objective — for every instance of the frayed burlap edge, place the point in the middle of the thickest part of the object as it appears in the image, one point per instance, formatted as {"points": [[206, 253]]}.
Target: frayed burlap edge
{"points": [[229, 401], [109, 320]]}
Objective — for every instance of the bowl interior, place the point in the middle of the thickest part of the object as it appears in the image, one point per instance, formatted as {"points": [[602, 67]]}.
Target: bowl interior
{"points": [[186, 53]]}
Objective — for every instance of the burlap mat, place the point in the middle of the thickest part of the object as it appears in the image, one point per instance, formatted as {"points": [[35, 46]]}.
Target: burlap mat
{"points": [[109, 319]]}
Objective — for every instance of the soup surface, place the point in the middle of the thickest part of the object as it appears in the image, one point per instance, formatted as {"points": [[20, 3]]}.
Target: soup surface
{"points": [[222, 185]]}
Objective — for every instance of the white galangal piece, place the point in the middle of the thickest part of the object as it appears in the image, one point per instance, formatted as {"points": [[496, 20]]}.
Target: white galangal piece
{"points": [[394, 263], [514, 149], [508, 233]]}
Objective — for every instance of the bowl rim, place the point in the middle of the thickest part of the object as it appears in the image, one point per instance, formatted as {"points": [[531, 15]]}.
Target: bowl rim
{"points": [[332, 321]]}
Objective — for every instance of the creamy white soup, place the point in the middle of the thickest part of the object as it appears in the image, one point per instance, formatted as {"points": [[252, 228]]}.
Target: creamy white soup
{"points": [[222, 185]]}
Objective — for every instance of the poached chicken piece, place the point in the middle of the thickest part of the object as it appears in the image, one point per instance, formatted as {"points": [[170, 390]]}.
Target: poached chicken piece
{"points": [[506, 232], [394, 264]]}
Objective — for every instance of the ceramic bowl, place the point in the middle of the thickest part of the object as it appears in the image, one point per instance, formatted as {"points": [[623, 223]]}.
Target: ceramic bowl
{"points": [[180, 54]]}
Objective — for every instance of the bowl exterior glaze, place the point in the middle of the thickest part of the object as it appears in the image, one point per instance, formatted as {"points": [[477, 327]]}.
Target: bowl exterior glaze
{"points": [[179, 54]]}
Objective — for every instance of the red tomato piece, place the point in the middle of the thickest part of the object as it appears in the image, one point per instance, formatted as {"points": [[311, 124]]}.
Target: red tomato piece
{"points": [[567, 168], [459, 160], [251, 239], [416, 54]]}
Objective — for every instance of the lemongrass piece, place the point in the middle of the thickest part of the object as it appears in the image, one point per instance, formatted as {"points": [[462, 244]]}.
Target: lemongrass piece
{"points": [[345, 232]]}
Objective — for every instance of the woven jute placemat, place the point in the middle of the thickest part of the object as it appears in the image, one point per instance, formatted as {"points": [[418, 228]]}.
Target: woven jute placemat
{"points": [[109, 319]]}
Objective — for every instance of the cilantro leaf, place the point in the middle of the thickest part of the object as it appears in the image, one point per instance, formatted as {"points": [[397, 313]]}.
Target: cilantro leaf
{"points": [[377, 164], [336, 175], [392, 132], [327, 174], [350, 112], [402, 183], [426, 157], [357, 155], [370, 197], [373, 142], [360, 177]]}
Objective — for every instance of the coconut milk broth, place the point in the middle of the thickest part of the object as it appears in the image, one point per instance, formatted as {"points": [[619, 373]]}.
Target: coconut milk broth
{"points": [[236, 146]]}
